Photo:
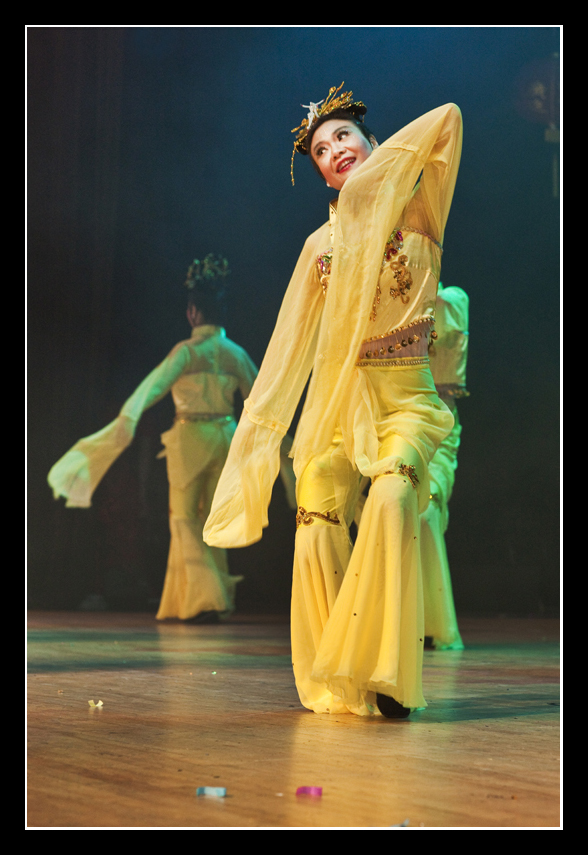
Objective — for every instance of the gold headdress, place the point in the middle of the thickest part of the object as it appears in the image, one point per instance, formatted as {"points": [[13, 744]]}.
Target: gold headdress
{"points": [[344, 101], [206, 271]]}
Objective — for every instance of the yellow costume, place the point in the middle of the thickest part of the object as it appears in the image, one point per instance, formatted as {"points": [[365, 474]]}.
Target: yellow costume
{"points": [[202, 374], [358, 312], [448, 356], [448, 359]]}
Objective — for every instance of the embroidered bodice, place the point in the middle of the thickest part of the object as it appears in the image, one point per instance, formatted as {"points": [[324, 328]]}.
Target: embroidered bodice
{"points": [[404, 298]]}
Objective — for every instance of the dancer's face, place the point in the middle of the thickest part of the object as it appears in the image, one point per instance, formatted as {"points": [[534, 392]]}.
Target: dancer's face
{"points": [[338, 148]]}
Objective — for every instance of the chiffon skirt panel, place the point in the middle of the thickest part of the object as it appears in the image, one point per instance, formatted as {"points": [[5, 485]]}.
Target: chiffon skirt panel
{"points": [[440, 616], [197, 577], [357, 610]]}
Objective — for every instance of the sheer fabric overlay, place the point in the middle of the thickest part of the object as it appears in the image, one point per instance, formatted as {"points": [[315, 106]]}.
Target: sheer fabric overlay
{"points": [[357, 610], [323, 335]]}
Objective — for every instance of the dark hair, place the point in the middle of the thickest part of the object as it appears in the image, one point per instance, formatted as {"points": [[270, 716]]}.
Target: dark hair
{"points": [[341, 113], [209, 298], [206, 284]]}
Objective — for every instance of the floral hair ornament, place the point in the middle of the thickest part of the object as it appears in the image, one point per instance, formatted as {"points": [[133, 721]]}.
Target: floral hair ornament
{"points": [[206, 271], [333, 101]]}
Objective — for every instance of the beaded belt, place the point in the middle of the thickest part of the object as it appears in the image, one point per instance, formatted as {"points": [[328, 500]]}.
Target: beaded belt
{"points": [[451, 391], [304, 517], [411, 341], [182, 418]]}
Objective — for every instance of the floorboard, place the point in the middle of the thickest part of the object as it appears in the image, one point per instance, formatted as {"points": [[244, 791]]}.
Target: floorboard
{"points": [[190, 706]]}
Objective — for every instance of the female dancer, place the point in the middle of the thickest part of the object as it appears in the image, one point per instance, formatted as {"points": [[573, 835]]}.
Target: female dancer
{"points": [[202, 375], [448, 356], [359, 312]]}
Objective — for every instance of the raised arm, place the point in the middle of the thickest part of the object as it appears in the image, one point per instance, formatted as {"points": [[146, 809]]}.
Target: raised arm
{"points": [[76, 475], [432, 201]]}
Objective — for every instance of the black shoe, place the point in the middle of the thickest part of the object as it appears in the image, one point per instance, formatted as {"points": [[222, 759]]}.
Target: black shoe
{"points": [[204, 617], [391, 708]]}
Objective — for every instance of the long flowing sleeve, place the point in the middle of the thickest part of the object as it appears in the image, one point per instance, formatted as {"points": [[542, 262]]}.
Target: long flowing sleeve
{"points": [[239, 510], [371, 205], [76, 475]]}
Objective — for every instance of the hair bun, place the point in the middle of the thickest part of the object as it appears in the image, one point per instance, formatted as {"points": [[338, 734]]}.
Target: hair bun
{"points": [[212, 272]]}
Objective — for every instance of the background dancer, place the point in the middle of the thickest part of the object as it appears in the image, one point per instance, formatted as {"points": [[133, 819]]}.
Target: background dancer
{"points": [[202, 374], [448, 356]]}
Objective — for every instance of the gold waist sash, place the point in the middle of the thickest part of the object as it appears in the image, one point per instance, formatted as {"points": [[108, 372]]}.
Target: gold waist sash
{"points": [[410, 342]]}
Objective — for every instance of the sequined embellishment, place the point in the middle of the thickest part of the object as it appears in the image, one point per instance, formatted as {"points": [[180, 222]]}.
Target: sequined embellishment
{"points": [[304, 517], [410, 472], [376, 303], [392, 345], [398, 263], [394, 243], [393, 246], [450, 391], [405, 469], [403, 278], [324, 263]]}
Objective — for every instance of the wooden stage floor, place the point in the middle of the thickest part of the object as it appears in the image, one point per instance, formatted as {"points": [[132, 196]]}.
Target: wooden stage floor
{"points": [[192, 706]]}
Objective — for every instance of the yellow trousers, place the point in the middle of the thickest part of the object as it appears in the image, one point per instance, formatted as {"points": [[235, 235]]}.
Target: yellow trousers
{"points": [[357, 616], [197, 577], [440, 617]]}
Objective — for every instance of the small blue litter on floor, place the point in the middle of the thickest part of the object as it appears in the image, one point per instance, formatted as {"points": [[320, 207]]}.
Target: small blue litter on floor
{"points": [[219, 792]]}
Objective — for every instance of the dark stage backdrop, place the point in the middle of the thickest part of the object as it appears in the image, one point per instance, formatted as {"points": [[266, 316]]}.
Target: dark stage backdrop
{"points": [[151, 146]]}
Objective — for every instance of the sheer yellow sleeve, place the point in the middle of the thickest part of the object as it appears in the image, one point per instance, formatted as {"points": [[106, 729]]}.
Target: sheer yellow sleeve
{"points": [[239, 510], [76, 475]]}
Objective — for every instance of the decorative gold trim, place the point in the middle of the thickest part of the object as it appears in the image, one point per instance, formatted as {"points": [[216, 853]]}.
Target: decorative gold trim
{"points": [[424, 234], [324, 262], [393, 363], [410, 472], [452, 390], [425, 319], [405, 470], [376, 303], [304, 517]]}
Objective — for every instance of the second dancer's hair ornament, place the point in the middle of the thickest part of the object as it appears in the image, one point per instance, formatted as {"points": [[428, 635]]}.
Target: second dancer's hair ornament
{"points": [[209, 270]]}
